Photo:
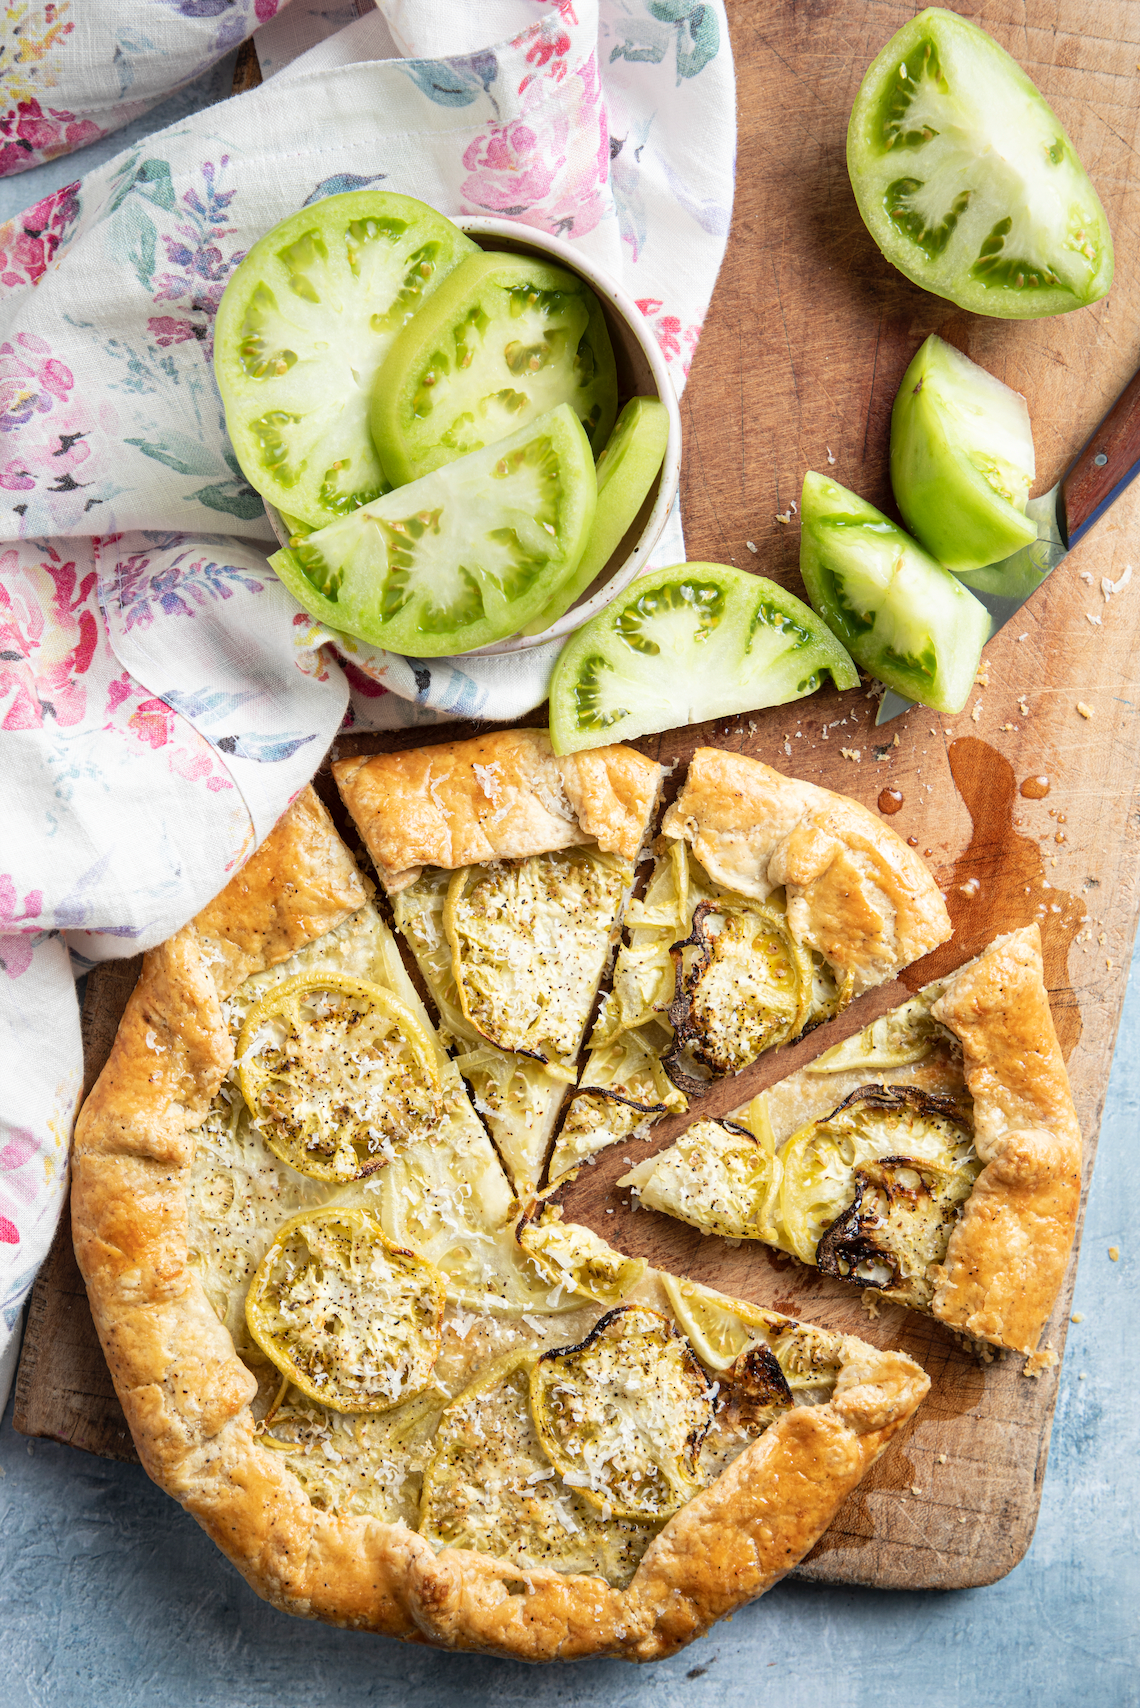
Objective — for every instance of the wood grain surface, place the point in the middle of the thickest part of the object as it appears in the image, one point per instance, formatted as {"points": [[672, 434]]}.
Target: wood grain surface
{"points": [[805, 342]]}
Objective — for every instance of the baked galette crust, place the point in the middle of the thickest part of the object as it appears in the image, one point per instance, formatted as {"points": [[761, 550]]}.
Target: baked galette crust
{"points": [[187, 1395], [503, 796], [855, 891], [1007, 1255]]}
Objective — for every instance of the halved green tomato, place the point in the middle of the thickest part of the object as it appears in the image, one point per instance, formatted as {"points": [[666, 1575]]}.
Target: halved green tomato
{"points": [[898, 612], [966, 179], [302, 328], [508, 339], [462, 557], [962, 459], [697, 641], [350, 1318], [336, 1074], [626, 470]]}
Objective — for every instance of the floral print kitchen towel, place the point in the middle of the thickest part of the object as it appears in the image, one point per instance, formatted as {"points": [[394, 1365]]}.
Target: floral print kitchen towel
{"points": [[162, 697], [72, 71]]}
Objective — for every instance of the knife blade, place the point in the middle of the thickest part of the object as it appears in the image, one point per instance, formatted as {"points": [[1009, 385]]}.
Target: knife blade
{"points": [[1107, 463]]}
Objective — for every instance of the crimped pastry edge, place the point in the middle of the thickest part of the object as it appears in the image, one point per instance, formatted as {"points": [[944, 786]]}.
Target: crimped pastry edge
{"points": [[1008, 1252], [186, 1394], [855, 891], [504, 795]]}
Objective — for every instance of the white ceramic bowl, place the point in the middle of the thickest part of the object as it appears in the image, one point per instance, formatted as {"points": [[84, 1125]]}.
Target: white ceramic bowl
{"points": [[641, 372]]}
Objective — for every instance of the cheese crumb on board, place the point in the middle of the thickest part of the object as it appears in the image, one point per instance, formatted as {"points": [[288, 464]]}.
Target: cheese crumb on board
{"points": [[1114, 1253], [1085, 711]]}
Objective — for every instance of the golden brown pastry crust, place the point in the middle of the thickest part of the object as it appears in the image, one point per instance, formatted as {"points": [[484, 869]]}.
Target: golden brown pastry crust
{"points": [[1007, 1255], [498, 797], [856, 892], [186, 1393]]}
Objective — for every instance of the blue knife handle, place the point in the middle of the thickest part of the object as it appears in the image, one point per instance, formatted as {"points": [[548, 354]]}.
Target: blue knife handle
{"points": [[1108, 463]]}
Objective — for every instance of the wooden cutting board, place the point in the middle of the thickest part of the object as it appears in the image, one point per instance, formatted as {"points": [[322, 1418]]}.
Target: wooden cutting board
{"points": [[804, 345]]}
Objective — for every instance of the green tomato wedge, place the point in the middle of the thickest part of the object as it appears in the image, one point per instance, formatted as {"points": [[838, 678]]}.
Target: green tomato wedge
{"points": [[505, 340], [626, 470], [302, 328], [962, 459], [462, 557], [900, 615], [685, 644], [966, 180]]}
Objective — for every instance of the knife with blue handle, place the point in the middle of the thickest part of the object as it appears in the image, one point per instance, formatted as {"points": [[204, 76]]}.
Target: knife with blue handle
{"points": [[1109, 461]]}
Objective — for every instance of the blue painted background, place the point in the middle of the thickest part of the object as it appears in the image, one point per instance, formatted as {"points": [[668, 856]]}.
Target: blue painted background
{"points": [[111, 1596]]}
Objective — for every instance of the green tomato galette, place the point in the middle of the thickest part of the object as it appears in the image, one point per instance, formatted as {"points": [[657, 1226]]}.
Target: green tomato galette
{"points": [[401, 1394]]}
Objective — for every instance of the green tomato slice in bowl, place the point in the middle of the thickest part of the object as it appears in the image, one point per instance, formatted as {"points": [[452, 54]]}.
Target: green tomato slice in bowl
{"points": [[899, 613], [962, 459], [966, 179], [302, 328], [507, 339], [460, 558], [626, 470], [697, 641]]}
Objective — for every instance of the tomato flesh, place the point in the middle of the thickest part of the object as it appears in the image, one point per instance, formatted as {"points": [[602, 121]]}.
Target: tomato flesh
{"points": [[302, 329], [966, 179], [505, 340], [900, 615], [464, 556], [626, 470], [962, 460], [696, 641]]}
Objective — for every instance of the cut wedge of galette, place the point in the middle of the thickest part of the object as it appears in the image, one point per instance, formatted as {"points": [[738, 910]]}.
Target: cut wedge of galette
{"points": [[396, 1398], [933, 1158], [508, 872], [772, 904]]}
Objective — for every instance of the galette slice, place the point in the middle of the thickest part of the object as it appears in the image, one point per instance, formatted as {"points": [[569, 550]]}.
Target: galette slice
{"points": [[934, 1158], [773, 903], [508, 871]]}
